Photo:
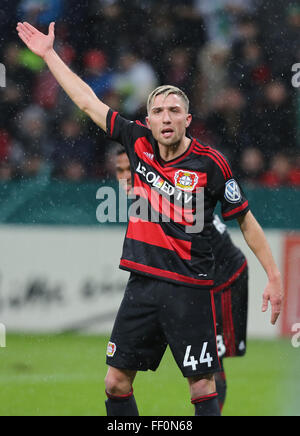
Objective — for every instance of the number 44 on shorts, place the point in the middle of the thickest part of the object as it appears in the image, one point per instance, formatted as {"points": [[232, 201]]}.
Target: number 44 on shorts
{"points": [[191, 361]]}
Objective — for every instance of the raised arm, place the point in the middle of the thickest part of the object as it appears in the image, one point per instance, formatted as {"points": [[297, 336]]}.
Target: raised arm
{"points": [[81, 94], [258, 243]]}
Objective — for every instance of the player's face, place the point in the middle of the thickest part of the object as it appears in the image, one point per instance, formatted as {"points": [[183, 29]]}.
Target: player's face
{"points": [[168, 119], [123, 172]]}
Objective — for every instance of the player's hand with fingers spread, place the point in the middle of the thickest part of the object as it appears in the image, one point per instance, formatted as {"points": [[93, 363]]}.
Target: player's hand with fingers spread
{"points": [[274, 293], [37, 42], [79, 91]]}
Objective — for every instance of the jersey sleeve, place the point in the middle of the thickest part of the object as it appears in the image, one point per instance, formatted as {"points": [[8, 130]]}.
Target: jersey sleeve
{"points": [[233, 200], [227, 190], [121, 130]]}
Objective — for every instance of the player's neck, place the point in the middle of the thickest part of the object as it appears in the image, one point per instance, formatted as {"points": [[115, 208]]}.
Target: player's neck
{"points": [[170, 152]]}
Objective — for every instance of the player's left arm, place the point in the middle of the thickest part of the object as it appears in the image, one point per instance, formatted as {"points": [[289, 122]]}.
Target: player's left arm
{"points": [[235, 205], [257, 241]]}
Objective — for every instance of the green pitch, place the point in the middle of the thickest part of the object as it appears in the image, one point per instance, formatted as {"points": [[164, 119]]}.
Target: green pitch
{"points": [[63, 375]]}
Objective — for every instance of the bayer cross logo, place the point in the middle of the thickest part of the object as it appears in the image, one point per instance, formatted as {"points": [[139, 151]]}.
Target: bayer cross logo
{"points": [[186, 180], [232, 192]]}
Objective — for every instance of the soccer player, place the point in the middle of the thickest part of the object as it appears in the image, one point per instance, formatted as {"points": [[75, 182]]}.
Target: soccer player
{"points": [[231, 300], [169, 297], [231, 284]]}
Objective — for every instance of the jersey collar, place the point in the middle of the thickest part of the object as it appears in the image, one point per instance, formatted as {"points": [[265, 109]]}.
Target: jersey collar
{"points": [[178, 159]]}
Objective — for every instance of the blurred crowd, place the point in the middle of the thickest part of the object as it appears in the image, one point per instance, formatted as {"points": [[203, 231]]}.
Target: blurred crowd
{"points": [[232, 57]]}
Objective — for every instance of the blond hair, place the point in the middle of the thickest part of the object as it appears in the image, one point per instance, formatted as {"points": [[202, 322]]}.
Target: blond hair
{"points": [[167, 90]]}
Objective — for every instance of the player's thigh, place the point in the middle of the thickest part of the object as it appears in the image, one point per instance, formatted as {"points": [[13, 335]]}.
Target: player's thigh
{"points": [[137, 342], [188, 320], [231, 314], [239, 303]]}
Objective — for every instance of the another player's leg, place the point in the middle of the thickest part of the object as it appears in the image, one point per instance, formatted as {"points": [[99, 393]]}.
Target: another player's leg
{"points": [[221, 385], [119, 391], [220, 376], [232, 314], [204, 395]]}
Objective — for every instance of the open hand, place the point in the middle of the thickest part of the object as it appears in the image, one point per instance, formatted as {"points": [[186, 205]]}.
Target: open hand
{"points": [[37, 42], [275, 294]]}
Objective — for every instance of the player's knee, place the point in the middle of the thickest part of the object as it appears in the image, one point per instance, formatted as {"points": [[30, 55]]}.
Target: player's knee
{"points": [[117, 383], [202, 385]]}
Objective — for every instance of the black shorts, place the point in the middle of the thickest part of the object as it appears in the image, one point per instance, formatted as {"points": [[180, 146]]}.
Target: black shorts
{"points": [[232, 314], [155, 314]]}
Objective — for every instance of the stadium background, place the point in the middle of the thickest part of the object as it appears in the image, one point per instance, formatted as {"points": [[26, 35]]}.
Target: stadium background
{"points": [[58, 269]]}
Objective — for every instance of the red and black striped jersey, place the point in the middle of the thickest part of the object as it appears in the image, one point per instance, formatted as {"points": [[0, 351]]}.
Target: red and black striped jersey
{"points": [[165, 248]]}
